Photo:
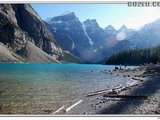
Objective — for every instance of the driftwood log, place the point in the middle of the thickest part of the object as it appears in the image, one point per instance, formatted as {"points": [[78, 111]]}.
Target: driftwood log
{"points": [[99, 92], [116, 90], [153, 68], [137, 78]]}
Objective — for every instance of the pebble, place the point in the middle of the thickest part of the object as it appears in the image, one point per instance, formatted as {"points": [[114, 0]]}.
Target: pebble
{"points": [[155, 100], [92, 105], [48, 111], [85, 113], [157, 111], [96, 104]]}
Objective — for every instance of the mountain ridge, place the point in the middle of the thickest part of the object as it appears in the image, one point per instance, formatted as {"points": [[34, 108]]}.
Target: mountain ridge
{"points": [[19, 24], [108, 41], [93, 37]]}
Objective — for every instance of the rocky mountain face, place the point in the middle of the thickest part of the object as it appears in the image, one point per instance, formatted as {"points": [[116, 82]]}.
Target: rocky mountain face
{"points": [[94, 44], [20, 24], [69, 33], [95, 33], [147, 36], [87, 39], [7, 55], [110, 30], [25, 37]]}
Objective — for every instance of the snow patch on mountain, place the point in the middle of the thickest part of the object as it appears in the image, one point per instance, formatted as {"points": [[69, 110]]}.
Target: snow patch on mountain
{"points": [[54, 28], [56, 22], [66, 28], [85, 32]]}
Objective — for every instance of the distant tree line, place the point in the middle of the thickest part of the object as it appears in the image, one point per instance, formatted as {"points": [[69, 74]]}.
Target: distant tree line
{"points": [[136, 56]]}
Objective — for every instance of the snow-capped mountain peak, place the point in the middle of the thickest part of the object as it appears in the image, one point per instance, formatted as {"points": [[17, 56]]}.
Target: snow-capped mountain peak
{"points": [[110, 27], [123, 28], [110, 30], [91, 23]]}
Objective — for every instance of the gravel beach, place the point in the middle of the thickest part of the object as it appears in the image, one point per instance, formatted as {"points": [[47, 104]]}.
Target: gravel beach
{"points": [[149, 86]]}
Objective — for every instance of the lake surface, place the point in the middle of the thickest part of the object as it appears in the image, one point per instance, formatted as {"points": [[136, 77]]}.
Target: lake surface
{"points": [[38, 88]]}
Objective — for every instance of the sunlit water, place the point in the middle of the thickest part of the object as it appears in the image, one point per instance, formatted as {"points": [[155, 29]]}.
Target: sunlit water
{"points": [[41, 88]]}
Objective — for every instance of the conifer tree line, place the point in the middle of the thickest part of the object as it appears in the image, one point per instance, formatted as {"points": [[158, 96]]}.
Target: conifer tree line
{"points": [[136, 56]]}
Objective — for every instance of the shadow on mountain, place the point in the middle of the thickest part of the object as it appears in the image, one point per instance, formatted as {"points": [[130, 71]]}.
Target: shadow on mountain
{"points": [[148, 88]]}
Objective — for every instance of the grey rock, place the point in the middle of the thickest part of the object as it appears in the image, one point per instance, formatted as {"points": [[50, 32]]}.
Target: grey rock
{"points": [[20, 23]]}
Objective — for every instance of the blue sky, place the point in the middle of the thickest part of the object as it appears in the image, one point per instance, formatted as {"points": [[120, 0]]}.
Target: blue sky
{"points": [[105, 14]]}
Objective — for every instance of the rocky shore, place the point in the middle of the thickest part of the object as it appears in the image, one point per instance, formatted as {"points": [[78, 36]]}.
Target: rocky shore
{"points": [[139, 99], [149, 87]]}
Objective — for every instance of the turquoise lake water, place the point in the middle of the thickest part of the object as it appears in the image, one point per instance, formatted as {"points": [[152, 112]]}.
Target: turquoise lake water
{"points": [[37, 88]]}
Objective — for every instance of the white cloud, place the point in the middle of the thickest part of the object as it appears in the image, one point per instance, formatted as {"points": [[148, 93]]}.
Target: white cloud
{"points": [[145, 15]]}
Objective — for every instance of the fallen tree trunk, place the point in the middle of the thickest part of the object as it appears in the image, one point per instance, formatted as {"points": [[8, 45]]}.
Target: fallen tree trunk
{"points": [[106, 91], [137, 78], [153, 68], [99, 92], [130, 86], [116, 90]]}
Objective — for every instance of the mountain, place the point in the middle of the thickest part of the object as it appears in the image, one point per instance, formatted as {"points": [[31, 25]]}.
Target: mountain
{"points": [[7, 55], [70, 58], [93, 44], [115, 41], [95, 33], [123, 28], [38, 56], [87, 39], [69, 33], [110, 30], [25, 37], [24, 33], [140, 46], [83, 39], [147, 36]]}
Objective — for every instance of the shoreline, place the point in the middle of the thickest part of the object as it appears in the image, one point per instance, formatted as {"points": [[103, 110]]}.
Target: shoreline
{"points": [[139, 95], [142, 98], [45, 93]]}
